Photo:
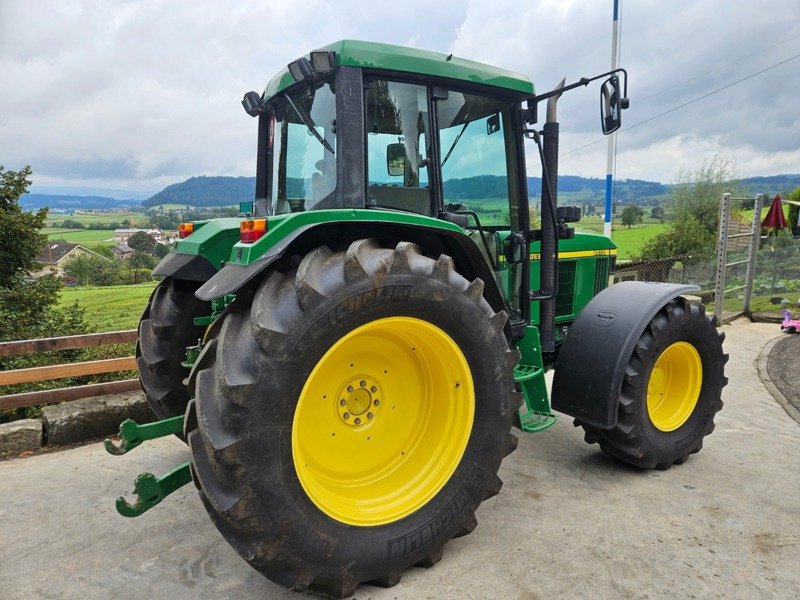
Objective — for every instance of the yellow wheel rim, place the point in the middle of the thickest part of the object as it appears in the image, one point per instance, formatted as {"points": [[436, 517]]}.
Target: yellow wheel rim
{"points": [[674, 386], [383, 421]]}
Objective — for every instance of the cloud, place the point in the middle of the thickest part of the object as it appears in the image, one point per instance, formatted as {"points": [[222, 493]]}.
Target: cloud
{"points": [[141, 94], [664, 45]]}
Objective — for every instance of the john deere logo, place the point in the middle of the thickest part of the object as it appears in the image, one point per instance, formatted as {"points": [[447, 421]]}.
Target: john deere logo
{"points": [[605, 319]]}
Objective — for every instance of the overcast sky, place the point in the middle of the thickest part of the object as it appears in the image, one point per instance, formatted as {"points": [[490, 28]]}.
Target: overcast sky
{"points": [[137, 95]]}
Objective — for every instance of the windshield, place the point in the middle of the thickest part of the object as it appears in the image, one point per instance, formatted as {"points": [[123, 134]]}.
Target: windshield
{"points": [[303, 150]]}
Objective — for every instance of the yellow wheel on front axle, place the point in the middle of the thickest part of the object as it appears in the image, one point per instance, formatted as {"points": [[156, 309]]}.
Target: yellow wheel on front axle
{"points": [[383, 421], [674, 386]]}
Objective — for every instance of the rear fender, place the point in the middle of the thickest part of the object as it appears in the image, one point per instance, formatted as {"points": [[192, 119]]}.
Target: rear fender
{"points": [[434, 241], [592, 360]]}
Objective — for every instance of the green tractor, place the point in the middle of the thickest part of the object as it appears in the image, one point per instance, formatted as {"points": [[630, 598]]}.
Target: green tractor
{"points": [[347, 360]]}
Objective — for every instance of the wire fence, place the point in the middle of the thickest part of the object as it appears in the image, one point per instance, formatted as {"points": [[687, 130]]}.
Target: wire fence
{"points": [[777, 276], [692, 270], [748, 274]]}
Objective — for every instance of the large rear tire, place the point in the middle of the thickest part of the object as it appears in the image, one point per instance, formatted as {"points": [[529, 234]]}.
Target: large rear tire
{"points": [[354, 418], [165, 330], [671, 390]]}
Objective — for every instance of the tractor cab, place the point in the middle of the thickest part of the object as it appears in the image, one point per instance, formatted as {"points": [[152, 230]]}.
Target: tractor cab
{"points": [[433, 135]]}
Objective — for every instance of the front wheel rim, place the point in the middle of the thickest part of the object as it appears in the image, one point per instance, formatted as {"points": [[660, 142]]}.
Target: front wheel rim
{"points": [[674, 386], [383, 421]]}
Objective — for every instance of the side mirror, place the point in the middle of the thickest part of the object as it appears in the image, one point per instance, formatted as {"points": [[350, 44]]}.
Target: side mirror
{"points": [[611, 105], [396, 159], [492, 124], [514, 248], [252, 104]]}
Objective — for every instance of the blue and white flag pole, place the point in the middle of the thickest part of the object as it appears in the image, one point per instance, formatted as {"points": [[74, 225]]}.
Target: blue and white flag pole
{"points": [[612, 138]]}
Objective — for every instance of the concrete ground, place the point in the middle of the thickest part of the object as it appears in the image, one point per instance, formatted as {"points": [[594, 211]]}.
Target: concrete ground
{"points": [[568, 523]]}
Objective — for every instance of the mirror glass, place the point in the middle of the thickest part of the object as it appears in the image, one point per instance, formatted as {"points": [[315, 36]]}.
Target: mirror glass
{"points": [[396, 159], [610, 110], [513, 248]]}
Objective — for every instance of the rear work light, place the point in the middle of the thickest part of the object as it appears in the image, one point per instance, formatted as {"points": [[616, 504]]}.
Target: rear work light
{"points": [[252, 229], [185, 230]]}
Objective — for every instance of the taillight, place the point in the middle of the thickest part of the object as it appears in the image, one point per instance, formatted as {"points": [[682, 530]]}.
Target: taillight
{"points": [[252, 229], [185, 230]]}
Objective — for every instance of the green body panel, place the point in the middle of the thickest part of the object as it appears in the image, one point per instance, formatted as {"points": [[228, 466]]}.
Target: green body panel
{"points": [[369, 55], [279, 226], [535, 415], [584, 265], [212, 239]]}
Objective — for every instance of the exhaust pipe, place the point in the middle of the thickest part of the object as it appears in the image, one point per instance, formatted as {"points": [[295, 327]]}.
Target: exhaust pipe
{"points": [[548, 264]]}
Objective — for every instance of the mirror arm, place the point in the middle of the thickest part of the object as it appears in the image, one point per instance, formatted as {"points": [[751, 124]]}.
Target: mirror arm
{"points": [[583, 82]]}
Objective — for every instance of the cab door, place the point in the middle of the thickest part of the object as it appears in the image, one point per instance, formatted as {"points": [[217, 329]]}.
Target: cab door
{"points": [[482, 176]]}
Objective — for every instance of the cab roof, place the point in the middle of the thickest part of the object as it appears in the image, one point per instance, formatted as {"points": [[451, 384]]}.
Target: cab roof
{"points": [[387, 57]]}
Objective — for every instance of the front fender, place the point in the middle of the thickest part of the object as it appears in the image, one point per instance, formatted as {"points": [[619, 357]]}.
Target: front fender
{"points": [[199, 256], [591, 362]]}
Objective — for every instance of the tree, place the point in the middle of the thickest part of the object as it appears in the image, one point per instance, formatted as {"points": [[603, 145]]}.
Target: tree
{"points": [[104, 251], [143, 242], [79, 268], [94, 270], [161, 250], [20, 240], [163, 221], [142, 260], [699, 193], [72, 224], [657, 212], [632, 215], [695, 203]]}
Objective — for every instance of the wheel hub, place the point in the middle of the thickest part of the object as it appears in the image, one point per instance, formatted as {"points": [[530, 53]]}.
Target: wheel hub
{"points": [[383, 421], [674, 386], [359, 401]]}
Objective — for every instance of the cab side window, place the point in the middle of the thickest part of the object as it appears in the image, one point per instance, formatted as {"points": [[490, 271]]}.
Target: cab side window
{"points": [[398, 125], [477, 156]]}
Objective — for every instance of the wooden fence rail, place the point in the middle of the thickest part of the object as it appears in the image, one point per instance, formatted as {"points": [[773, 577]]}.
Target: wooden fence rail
{"points": [[51, 372]]}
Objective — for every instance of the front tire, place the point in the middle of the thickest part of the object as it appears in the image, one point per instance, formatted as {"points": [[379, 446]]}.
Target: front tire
{"points": [[165, 330], [671, 390], [355, 417]]}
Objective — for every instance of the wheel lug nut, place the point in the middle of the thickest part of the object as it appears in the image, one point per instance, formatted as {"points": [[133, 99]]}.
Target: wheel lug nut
{"points": [[346, 415], [377, 402], [358, 421], [363, 383], [370, 415], [373, 389], [349, 388], [343, 402]]}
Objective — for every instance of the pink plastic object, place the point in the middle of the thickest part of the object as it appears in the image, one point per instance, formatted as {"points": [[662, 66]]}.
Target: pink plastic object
{"points": [[789, 324]]}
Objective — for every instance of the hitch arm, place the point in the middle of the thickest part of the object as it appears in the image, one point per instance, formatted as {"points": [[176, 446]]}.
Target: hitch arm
{"points": [[131, 434], [150, 490]]}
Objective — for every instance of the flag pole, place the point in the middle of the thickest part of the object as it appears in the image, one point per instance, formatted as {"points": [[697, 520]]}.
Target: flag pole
{"points": [[612, 138]]}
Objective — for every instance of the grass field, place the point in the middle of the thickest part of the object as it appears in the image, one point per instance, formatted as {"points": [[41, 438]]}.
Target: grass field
{"points": [[136, 218], [109, 308], [86, 237], [629, 241]]}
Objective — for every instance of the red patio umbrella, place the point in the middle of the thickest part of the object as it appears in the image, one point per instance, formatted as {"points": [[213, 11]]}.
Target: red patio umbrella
{"points": [[775, 218]]}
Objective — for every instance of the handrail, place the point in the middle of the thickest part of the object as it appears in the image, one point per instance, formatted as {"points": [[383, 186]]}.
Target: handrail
{"points": [[50, 372], [67, 342]]}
